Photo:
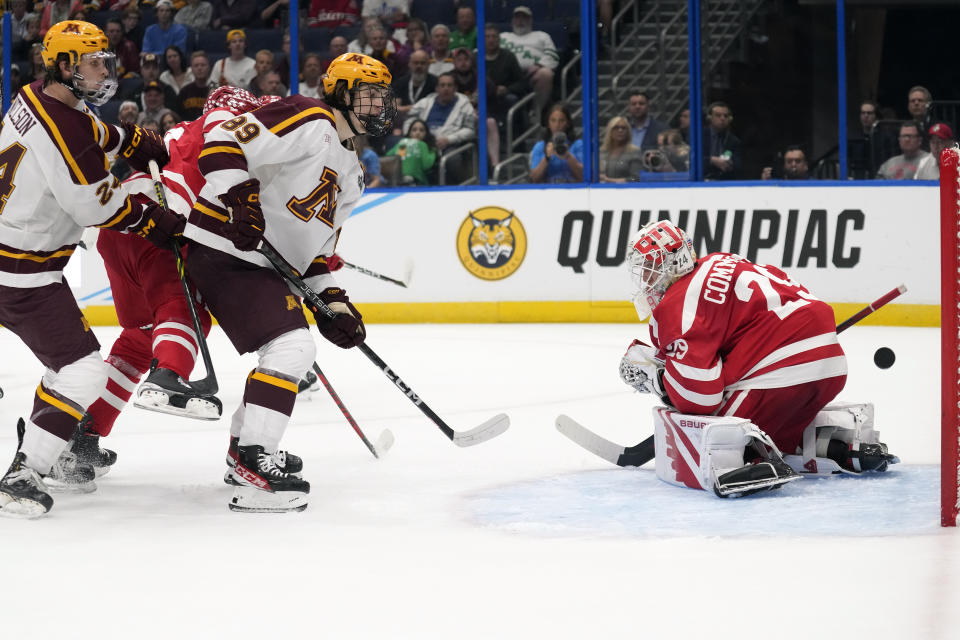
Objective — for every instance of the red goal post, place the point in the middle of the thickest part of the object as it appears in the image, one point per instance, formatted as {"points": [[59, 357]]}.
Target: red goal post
{"points": [[949, 336]]}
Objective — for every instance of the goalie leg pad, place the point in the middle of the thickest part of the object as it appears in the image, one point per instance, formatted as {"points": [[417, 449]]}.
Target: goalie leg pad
{"points": [[727, 455], [842, 439]]}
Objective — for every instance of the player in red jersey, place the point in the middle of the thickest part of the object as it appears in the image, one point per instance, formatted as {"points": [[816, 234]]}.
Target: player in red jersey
{"points": [[736, 339]]}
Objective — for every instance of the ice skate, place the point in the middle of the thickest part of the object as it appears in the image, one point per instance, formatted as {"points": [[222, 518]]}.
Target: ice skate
{"points": [[69, 475], [166, 392], [285, 461], [22, 492], [86, 446], [309, 384], [262, 487]]}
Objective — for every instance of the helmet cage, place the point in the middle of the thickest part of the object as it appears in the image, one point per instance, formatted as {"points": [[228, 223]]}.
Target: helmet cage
{"points": [[659, 255], [375, 106], [104, 89]]}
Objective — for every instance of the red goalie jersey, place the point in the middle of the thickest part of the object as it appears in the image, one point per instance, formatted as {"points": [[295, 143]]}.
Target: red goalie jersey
{"points": [[731, 328]]}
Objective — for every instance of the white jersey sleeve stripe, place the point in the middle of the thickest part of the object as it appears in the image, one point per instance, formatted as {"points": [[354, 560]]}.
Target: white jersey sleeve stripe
{"points": [[691, 299], [796, 374], [701, 399], [794, 348], [696, 373]]}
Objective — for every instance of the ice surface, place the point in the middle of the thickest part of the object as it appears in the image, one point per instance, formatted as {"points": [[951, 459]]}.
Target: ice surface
{"points": [[524, 536]]}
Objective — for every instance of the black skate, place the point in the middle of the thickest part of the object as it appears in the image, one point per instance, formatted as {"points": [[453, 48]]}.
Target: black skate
{"points": [[166, 392], [22, 492], [262, 487], [67, 475], [285, 461], [86, 446], [309, 382], [869, 457], [765, 475]]}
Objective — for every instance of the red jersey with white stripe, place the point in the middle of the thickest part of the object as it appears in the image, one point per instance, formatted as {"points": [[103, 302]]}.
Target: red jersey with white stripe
{"points": [[731, 324]]}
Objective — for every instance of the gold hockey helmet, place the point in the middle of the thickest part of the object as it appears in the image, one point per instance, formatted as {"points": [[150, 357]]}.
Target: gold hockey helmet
{"points": [[73, 37], [367, 81], [354, 68]]}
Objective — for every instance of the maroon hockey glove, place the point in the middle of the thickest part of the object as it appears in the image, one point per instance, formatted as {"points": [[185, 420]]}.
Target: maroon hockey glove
{"points": [[334, 262], [159, 225], [346, 329], [140, 146], [246, 226]]}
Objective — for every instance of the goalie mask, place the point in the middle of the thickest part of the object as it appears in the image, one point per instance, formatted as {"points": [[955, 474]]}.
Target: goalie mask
{"points": [[85, 48], [360, 85], [233, 99], [660, 253]]}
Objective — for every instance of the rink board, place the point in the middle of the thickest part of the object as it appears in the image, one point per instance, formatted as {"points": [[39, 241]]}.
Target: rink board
{"points": [[557, 255]]}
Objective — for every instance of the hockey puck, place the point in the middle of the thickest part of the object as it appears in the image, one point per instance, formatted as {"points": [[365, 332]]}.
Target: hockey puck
{"points": [[884, 357]]}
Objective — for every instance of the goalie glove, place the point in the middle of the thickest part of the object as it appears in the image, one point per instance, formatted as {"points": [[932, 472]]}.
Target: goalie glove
{"points": [[346, 330], [642, 370]]}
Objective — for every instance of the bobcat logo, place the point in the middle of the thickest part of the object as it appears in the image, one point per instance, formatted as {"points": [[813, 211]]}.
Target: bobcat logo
{"points": [[491, 243]]}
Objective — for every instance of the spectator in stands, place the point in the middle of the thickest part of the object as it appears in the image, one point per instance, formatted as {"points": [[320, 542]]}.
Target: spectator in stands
{"points": [[394, 13], [32, 36], [338, 47], [150, 125], [417, 152], [128, 112], [132, 27], [465, 35], [196, 14], [448, 114], [331, 14], [193, 96], [153, 108], [682, 124], [416, 34], [233, 14], [675, 149], [535, 52], [238, 69], [465, 74], [620, 159], [362, 43], [904, 166], [150, 71], [644, 129], [505, 72], [177, 74], [380, 48], [865, 150], [310, 77], [35, 69], [57, 11], [276, 14], [557, 157], [417, 84], [941, 137], [263, 64], [168, 121], [794, 167], [722, 154], [369, 162], [918, 105], [18, 22], [165, 32], [441, 60], [128, 57], [281, 62]]}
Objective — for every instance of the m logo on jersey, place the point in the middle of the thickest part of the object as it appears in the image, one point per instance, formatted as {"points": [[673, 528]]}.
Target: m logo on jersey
{"points": [[491, 243]]}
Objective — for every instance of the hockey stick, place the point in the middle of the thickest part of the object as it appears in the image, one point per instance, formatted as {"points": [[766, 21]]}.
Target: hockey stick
{"points": [[489, 429], [207, 385], [374, 274], [384, 442], [642, 453]]}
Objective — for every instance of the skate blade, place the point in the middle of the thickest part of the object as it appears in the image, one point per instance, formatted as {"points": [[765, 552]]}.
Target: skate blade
{"points": [[57, 486], [231, 479], [196, 408], [23, 509], [99, 472], [252, 500]]}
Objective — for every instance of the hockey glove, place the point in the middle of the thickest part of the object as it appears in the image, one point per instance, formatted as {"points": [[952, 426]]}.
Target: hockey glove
{"points": [[642, 370], [346, 329], [334, 262], [140, 146], [159, 225], [246, 226]]}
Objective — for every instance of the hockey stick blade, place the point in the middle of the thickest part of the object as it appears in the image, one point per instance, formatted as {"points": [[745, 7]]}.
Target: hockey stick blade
{"points": [[619, 455], [489, 429]]}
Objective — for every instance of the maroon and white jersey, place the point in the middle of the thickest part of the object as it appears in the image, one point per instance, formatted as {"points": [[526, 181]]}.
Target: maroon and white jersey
{"points": [[309, 182], [731, 324], [54, 181]]}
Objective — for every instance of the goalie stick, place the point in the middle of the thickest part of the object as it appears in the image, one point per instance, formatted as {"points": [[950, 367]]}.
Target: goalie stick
{"points": [[642, 453], [379, 276], [384, 442], [208, 384], [489, 429]]}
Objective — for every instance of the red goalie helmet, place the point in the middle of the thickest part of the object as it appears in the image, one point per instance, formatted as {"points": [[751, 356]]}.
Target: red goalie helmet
{"points": [[660, 253], [232, 99]]}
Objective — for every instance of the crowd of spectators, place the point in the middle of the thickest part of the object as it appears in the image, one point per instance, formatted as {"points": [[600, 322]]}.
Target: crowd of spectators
{"points": [[172, 53]]}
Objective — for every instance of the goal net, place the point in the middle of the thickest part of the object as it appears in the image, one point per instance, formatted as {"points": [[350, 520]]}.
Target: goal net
{"points": [[949, 335]]}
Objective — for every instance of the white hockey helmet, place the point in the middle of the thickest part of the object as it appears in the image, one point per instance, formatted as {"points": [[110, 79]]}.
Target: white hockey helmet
{"points": [[660, 253]]}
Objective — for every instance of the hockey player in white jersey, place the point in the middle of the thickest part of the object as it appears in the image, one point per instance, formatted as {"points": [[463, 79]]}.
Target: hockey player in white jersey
{"points": [[285, 174], [54, 181]]}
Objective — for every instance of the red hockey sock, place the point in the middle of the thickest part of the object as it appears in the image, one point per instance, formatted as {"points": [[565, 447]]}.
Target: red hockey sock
{"points": [[122, 379]]}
